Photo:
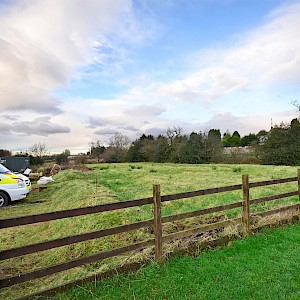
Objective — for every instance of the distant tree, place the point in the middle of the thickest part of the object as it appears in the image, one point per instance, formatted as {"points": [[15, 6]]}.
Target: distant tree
{"points": [[215, 133], [175, 139], [173, 132], [296, 104], [200, 148], [295, 123], [119, 141], [4, 152], [226, 140], [189, 148], [97, 149], [235, 139], [135, 152], [142, 149], [214, 148], [21, 154], [67, 152], [248, 139], [61, 158], [116, 152], [282, 145], [110, 155], [38, 150], [37, 153], [160, 149]]}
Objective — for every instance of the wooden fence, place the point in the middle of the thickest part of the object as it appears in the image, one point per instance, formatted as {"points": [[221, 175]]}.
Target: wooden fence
{"points": [[157, 222]]}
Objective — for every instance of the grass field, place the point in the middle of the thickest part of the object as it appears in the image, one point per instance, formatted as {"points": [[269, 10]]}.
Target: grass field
{"points": [[264, 266], [108, 183]]}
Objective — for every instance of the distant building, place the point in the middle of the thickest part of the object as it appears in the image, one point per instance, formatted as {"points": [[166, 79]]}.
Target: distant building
{"points": [[238, 150]]}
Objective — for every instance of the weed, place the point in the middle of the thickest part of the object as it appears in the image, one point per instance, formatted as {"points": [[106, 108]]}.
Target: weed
{"points": [[237, 169], [135, 167], [104, 168]]}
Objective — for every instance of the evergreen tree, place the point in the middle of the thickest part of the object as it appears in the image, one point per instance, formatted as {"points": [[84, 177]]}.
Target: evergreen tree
{"points": [[282, 145], [248, 139]]}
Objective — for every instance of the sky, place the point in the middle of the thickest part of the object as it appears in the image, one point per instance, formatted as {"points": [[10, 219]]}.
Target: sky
{"points": [[78, 71]]}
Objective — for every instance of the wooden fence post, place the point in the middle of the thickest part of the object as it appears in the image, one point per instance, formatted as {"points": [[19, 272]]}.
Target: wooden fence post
{"points": [[157, 222], [299, 183], [246, 205]]}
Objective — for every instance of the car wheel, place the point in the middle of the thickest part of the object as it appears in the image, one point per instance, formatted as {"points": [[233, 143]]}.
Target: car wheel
{"points": [[4, 199]]}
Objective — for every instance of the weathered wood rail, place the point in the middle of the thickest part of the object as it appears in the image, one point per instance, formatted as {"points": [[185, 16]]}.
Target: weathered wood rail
{"points": [[157, 222]]}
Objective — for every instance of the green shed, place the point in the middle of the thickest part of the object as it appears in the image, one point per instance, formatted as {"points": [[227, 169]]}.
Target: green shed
{"points": [[15, 164]]}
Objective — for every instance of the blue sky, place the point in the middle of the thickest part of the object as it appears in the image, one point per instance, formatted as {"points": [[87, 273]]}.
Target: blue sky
{"points": [[77, 71]]}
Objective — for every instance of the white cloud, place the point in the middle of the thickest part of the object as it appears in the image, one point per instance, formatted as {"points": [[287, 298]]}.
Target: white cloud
{"points": [[43, 42], [206, 85], [258, 59], [252, 123], [130, 120], [271, 48]]}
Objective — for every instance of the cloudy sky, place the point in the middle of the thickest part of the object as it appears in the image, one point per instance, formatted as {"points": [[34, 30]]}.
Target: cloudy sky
{"points": [[76, 71]]}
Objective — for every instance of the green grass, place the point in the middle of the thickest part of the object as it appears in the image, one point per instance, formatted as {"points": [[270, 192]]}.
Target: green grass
{"points": [[264, 266], [109, 183]]}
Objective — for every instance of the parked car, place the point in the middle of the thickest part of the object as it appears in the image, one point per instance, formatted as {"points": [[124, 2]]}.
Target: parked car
{"points": [[13, 186]]}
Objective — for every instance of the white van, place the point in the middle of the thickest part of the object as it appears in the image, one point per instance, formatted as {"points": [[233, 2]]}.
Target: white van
{"points": [[12, 186]]}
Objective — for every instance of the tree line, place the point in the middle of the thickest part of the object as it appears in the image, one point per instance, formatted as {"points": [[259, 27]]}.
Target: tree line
{"points": [[279, 146]]}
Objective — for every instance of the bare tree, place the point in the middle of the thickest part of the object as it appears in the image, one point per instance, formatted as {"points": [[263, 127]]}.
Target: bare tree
{"points": [[38, 150], [296, 104], [117, 145], [174, 139], [97, 149], [119, 141], [173, 134]]}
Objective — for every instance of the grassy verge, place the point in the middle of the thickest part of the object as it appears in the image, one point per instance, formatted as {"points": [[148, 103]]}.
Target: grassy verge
{"points": [[264, 266]]}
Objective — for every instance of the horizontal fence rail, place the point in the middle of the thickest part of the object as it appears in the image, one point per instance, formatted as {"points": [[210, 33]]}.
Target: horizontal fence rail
{"points": [[71, 240], [278, 210], [196, 231], [274, 197], [271, 182], [72, 213], [201, 212], [72, 264], [200, 193], [156, 224]]}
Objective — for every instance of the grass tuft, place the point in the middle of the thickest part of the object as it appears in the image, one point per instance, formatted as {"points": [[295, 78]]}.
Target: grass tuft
{"points": [[237, 169]]}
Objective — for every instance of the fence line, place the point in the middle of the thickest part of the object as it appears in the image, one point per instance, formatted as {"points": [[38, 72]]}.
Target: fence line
{"points": [[157, 222]]}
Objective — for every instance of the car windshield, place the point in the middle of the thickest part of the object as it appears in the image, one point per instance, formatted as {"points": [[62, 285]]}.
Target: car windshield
{"points": [[4, 170]]}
